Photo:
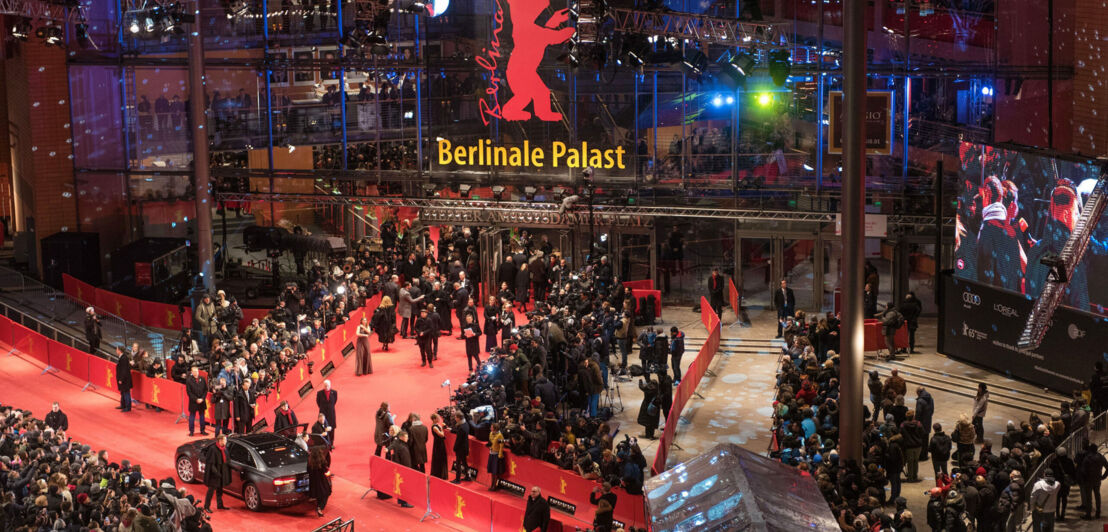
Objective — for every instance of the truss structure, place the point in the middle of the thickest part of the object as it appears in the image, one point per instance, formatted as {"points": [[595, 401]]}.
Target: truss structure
{"points": [[442, 210], [700, 28], [37, 10], [1038, 320]]}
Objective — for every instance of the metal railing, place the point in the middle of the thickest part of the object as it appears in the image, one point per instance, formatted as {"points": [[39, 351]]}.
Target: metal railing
{"points": [[58, 316], [1095, 432]]}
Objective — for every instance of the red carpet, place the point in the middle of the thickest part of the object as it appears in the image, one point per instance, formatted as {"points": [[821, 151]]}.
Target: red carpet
{"points": [[149, 438]]}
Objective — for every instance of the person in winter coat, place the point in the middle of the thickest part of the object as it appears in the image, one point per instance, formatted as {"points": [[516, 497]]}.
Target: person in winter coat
{"points": [[1092, 469], [925, 413], [1044, 502], [401, 454], [939, 447], [492, 322], [1067, 476], [523, 284], [319, 483], [217, 474], [536, 516], [384, 420], [123, 379], [665, 393], [914, 437], [875, 393], [894, 464], [911, 309], [935, 509], [891, 321], [648, 410], [222, 397], [404, 308], [953, 513], [471, 333], [204, 321], [980, 406], [285, 418], [93, 332], [384, 322], [676, 350], [895, 384], [964, 435]]}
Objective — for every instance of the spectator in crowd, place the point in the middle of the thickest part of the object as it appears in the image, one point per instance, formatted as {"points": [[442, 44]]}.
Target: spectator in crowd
{"points": [[438, 447], [716, 284], [649, 409], [57, 419], [383, 420], [1044, 502], [461, 447], [939, 448], [914, 437], [1067, 476], [925, 412], [1092, 469], [242, 408], [911, 310], [980, 405], [417, 435], [93, 332], [676, 350]]}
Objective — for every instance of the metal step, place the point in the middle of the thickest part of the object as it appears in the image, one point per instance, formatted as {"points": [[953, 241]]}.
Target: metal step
{"points": [[1044, 395], [996, 396]]}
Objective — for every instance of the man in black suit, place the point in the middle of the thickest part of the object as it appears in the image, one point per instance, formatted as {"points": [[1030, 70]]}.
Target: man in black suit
{"points": [[715, 292], [424, 328], [785, 303], [461, 448], [434, 317], [243, 408], [217, 473], [197, 390], [506, 273], [56, 419], [869, 302], [326, 399], [401, 454], [123, 379], [392, 288], [537, 514], [460, 301]]}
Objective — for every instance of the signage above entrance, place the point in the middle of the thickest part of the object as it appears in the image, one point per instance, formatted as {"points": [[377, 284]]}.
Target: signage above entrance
{"points": [[878, 124]]}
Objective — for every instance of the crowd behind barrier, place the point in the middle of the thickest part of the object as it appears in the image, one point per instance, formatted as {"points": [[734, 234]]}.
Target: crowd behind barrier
{"points": [[141, 312], [167, 394], [688, 384]]}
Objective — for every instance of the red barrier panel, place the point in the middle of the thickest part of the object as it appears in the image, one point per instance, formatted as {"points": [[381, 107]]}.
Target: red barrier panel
{"points": [[460, 505], [128, 308], [164, 316], [705, 310], [30, 343], [645, 284], [79, 290], [733, 295], [162, 393], [5, 330], [875, 337], [101, 373], [401, 482], [656, 295], [67, 359]]}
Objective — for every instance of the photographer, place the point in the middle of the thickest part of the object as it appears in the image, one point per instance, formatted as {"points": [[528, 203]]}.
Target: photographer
{"points": [[461, 447], [649, 408]]}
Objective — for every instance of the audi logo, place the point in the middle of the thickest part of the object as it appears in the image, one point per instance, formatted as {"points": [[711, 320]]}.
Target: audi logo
{"points": [[972, 299]]}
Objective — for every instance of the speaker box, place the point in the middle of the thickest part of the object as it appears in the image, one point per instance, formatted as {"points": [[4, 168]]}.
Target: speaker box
{"points": [[77, 254]]}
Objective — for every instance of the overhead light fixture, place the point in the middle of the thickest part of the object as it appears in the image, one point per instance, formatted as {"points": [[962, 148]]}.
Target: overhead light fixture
{"points": [[53, 36], [134, 25], [780, 67], [21, 29], [498, 192], [694, 62], [463, 190]]}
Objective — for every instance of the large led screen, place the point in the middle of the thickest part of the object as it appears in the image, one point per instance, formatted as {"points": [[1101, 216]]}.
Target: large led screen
{"points": [[1014, 208]]}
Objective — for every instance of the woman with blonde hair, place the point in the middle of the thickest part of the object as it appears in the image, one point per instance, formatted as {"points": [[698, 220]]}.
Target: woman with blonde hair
{"points": [[384, 322]]}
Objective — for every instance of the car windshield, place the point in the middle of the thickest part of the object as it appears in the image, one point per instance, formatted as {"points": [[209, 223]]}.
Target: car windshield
{"points": [[282, 454]]}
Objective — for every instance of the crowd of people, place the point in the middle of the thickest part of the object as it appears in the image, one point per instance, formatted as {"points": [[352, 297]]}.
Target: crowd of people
{"points": [[979, 485], [53, 482]]}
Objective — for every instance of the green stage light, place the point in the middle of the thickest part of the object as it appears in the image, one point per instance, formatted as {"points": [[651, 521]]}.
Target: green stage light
{"points": [[764, 99]]}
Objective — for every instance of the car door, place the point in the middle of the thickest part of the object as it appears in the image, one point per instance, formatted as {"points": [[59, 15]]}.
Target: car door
{"points": [[242, 465]]}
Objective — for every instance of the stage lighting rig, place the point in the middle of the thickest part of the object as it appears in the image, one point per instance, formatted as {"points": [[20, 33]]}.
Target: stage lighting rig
{"points": [[779, 66], [21, 29]]}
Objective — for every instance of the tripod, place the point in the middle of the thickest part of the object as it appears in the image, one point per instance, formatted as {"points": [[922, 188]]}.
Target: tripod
{"points": [[611, 400]]}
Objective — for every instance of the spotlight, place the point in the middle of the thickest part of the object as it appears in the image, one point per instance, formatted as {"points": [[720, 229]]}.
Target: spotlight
{"points": [[134, 25], [417, 7], [717, 101], [21, 29], [736, 69], [529, 193], [149, 25], [779, 66], [498, 192], [340, 289], [694, 62], [464, 190], [569, 55], [636, 49], [53, 36], [765, 99]]}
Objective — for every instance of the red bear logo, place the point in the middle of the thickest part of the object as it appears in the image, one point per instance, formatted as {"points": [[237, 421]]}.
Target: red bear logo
{"points": [[531, 41]]}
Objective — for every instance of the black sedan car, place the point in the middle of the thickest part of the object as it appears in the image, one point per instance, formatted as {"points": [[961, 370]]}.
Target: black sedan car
{"points": [[266, 469]]}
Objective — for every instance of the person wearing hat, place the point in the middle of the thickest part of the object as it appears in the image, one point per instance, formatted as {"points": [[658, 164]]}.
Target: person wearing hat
{"points": [[1067, 475], [203, 320], [935, 509], [1044, 501], [424, 331], [93, 333]]}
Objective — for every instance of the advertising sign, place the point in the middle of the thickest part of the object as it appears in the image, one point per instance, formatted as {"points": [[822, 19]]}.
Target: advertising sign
{"points": [[982, 325], [878, 124]]}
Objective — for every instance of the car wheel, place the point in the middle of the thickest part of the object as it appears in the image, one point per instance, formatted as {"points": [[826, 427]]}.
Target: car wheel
{"points": [[185, 470], [252, 498]]}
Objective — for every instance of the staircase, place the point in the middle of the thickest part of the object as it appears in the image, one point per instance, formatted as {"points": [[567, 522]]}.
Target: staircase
{"points": [[1039, 319], [738, 346], [1014, 395]]}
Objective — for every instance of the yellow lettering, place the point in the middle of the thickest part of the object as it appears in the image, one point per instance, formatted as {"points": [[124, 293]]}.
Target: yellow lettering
{"points": [[516, 157], [537, 156], [574, 158], [559, 150], [444, 152], [608, 162], [460, 155], [619, 157], [474, 151], [595, 159], [499, 156]]}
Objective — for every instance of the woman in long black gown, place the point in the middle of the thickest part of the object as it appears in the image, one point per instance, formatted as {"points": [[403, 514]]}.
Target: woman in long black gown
{"points": [[492, 323], [438, 448], [384, 322]]}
